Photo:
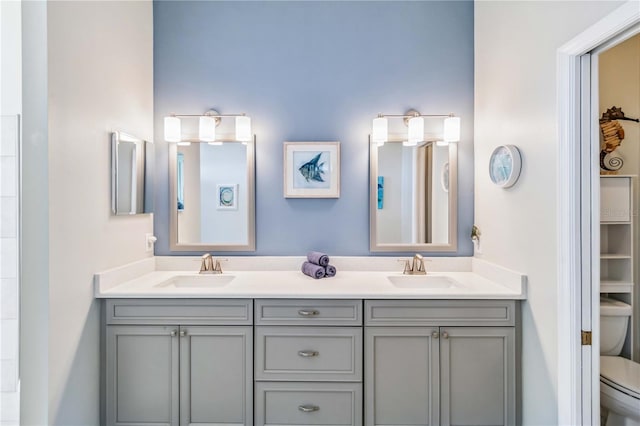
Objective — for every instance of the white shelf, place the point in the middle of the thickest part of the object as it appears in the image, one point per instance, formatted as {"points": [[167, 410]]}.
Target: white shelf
{"points": [[616, 287]]}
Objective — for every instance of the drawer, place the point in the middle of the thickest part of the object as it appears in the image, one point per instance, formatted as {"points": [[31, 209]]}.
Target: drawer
{"points": [[308, 353], [312, 312], [469, 313], [179, 311], [308, 404]]}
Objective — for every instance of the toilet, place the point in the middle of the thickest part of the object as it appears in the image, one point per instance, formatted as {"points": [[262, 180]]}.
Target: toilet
{"points": [[619, 377]]}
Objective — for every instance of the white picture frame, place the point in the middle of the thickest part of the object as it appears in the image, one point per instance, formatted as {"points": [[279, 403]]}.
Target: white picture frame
{"points": [[227, 196], [311, 169]]}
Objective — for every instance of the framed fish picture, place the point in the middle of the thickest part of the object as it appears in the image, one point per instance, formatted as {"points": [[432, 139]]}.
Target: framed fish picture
{"points": [[312, 169]]}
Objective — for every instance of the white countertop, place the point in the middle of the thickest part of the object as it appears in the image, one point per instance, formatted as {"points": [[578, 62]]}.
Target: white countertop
{"points": [[279, 277]]}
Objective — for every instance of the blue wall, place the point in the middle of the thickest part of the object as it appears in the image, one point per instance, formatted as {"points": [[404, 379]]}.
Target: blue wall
{"points": [[314, 71]]}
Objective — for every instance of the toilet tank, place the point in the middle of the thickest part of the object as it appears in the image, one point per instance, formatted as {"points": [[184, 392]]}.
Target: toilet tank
{"points": [[614, 319]]}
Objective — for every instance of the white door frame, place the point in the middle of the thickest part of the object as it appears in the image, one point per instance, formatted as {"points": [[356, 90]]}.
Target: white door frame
{"points": [[578, 377]]}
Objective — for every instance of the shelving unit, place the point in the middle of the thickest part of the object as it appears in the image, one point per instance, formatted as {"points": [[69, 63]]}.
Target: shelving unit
{"points": [[617, 245]]}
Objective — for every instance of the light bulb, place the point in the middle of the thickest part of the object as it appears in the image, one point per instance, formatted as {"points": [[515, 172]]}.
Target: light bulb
{"points": [[380, 129], [243, 128], [207, 129], [172, 131], [416, 130], [452, 129]]}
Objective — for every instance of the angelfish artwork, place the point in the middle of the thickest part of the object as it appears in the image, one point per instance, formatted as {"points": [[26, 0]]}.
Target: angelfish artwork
{"points": [[612, 134], [312, 172]]}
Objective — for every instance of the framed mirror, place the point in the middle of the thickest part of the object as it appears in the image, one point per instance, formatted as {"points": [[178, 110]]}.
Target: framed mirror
{"points": [[413, 197], [212, 196], [131, 190]]}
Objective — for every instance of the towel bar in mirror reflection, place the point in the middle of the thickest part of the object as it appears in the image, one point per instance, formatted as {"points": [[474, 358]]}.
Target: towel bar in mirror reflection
{"points": [[413, 193], [212, 196]]}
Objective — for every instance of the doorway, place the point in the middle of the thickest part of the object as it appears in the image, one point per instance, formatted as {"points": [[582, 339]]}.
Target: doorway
{"points": [[579, 215]]}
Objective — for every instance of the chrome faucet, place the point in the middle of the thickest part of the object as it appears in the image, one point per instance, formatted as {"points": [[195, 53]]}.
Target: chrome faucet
{"points": [[210, 265], [415, 267]]}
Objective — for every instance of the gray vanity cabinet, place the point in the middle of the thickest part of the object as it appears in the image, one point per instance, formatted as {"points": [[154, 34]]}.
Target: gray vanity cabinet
{"points": [[436, 362], [142, 384], [402, 380], [477, 376], [179, 373]]}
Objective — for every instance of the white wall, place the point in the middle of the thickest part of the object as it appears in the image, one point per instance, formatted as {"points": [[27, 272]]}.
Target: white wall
{"points": [[389, 218], [515, 103], [10, 107], [439, 197], [100, 79], [189, 218], [34, 273]]}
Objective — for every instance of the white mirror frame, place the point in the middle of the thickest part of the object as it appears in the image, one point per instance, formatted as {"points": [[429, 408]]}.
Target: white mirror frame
{"points": [[251, 213], [452, 245]]}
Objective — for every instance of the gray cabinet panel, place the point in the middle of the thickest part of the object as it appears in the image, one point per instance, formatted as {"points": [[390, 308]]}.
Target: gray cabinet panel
{"points": [[216, 375], [478, 376], [309, 353], [401, 376], [440, 313], [308, 312], [180, 311], [141, 376], [282, 403]]}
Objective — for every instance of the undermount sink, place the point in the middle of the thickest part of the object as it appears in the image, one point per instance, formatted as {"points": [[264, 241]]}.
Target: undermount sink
{"points": [[423, 281], [197, 281]]}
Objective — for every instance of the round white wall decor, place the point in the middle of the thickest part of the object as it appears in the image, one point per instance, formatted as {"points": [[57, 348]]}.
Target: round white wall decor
{"points": [[504, 165]]}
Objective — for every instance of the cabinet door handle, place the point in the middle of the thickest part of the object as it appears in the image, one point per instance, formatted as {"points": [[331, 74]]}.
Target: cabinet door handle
{"points": [[308, 312], [308, 408], [435, 335], [174, 333], [445, 335], [183, 333], [308, 354]]}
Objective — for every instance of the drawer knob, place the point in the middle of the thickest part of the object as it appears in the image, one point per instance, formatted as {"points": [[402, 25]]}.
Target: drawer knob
{"points": [[308, 312], [435, 335], [174, 333], [183, 333], [445, 335], [308, 408], [308, 354]]}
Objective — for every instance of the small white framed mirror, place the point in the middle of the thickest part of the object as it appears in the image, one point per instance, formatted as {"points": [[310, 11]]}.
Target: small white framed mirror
{"points": [[131, 171]]}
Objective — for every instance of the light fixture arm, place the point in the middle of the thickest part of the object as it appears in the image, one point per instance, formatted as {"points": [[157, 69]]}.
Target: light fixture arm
{"points": [[210, 113]]}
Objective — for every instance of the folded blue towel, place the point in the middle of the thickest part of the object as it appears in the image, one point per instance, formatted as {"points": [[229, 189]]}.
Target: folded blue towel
{"points": [[314, 271], [318, 258], [329, 271]]}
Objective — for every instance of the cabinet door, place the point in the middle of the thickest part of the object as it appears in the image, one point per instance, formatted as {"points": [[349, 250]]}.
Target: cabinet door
{"points": [[142, 375], [216, 375], [477, 376], [401, 376]]}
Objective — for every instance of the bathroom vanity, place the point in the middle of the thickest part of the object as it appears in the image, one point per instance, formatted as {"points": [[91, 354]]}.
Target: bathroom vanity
{"points": [[424, 351]]}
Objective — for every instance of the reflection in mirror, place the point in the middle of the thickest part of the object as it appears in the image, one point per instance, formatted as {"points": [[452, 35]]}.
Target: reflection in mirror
{"points": [[212, 196], [413, 197], [131, 192]]}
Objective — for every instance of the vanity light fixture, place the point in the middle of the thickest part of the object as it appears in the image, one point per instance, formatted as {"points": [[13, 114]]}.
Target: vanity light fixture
{"points": [[415, 123], [207, 124]]}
